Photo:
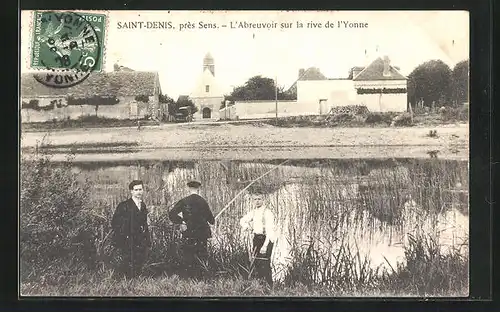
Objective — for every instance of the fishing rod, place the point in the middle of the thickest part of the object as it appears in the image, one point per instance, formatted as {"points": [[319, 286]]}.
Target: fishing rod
{"points": [[250, 184], [240, 192]]}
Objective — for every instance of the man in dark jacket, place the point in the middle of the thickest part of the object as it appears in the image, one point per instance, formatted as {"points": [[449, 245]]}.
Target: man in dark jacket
{"points": [[196, 215], [131, 232]]}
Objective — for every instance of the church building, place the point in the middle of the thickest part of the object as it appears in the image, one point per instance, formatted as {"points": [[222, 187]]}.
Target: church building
{"points": [[207, 95]]}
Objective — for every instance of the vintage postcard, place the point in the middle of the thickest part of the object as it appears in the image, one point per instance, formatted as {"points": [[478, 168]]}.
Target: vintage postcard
{"points": [[244, 153]]}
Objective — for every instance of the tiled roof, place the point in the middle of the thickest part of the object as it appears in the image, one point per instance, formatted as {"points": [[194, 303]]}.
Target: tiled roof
{"points": [[375, 71], [311, 73], [121, 83]]}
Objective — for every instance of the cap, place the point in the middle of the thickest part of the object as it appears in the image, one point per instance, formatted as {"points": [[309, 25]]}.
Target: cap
{"points": [[194, 184]]}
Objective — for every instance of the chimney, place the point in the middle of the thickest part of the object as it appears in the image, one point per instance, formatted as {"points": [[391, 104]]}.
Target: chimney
{"points": [[301, 73], [387, 71]]}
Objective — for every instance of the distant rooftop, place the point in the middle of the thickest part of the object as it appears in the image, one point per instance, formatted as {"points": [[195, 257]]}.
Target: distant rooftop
{"points": [[117, 83], [375, 71]]}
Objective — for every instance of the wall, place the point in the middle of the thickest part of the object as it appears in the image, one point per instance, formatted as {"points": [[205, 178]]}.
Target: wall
{"points": [[336, 92], [152, 108], [228, 113], [384, 102], [267, 109], [127, 108]]}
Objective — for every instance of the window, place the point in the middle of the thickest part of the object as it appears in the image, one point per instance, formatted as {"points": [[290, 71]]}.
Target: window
{"points": [[207, 88]]}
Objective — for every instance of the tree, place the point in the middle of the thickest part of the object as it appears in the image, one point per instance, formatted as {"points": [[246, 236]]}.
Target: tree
{"points": [[430, 81], [256, 88], [460, 82], [165, 99], [183, 101], [227, 99], [290, 94], [260, 88], [142, 98]]}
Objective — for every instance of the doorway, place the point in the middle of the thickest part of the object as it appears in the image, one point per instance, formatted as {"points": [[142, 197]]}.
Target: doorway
{"points": [[323, 107], [207, 113]]}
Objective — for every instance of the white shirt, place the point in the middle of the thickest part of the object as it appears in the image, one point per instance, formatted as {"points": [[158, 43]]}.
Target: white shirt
{"points": [[260, 221], [137, 202]]}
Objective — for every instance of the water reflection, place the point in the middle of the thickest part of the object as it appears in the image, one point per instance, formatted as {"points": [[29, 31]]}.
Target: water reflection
{"points": [[371, 207]]}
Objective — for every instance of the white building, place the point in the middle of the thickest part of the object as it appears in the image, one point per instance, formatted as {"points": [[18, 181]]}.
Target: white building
{"points": [[207, 95], [379, 86], [322, 95]]}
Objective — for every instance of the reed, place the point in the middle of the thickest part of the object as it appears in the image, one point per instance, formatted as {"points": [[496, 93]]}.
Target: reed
{"points": [[326, 215]]}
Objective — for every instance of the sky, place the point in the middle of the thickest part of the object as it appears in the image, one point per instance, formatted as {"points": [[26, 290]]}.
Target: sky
{"points": [[409, 38]]}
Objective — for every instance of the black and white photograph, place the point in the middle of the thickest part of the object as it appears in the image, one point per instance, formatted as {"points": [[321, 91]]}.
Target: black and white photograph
{"points": [[244, 154]]}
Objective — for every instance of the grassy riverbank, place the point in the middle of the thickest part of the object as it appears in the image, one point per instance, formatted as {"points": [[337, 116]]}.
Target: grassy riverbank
{"points": [[98, 285]]}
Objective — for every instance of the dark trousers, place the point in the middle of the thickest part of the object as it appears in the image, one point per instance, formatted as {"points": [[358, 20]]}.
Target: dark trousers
{"points": [[131, 261], [261, 265], [195, 256]]}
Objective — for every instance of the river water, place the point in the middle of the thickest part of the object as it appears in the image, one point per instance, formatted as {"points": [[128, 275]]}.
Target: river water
{"points": [[369, 206]]}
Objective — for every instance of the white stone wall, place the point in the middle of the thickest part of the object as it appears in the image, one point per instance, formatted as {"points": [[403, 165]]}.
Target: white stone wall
{"points": [[267, 109], [127, 108], [384, 102], [335, 92]]}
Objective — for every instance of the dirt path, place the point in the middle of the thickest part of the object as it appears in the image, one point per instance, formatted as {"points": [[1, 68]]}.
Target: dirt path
{"points": [[242, 141]]}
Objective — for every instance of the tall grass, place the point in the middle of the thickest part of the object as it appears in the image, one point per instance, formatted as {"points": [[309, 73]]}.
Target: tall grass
{"points": [[327, 215], [429, 270]]}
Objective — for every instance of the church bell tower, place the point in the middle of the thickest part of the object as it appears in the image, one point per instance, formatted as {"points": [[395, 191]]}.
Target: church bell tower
{"points": [[208, 62]]}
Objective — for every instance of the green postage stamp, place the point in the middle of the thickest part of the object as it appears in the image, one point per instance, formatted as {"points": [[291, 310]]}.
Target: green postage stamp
{"points": [[68, 41]]}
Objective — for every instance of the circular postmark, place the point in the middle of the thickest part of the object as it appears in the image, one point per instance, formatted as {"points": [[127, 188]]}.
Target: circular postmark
{"points": [[68, 48]]}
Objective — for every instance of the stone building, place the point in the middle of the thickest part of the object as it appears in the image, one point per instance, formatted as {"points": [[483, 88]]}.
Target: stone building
{"points": [[122, 94]]}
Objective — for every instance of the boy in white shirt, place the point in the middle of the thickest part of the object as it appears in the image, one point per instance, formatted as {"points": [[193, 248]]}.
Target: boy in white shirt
{"points": [[260, 221]]}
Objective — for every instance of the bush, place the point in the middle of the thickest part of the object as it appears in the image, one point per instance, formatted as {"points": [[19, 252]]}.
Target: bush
{"points": [[376, 118], [32, 104], [341, 118], [142, 98], [402, 120], [93, 100], [350, 109], [55, 229], [96, 119], [164, 256], [455, 113]]}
